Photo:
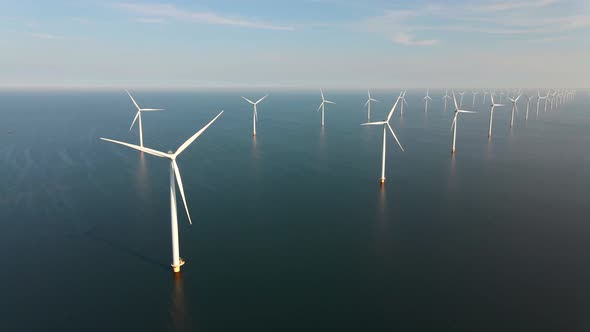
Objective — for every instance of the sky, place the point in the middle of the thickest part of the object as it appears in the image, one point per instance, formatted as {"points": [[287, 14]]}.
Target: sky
{"points": [[294, 44]]}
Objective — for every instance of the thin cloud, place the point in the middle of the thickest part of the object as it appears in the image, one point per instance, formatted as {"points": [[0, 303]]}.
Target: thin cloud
{"points": [[148, 20], [161, 11], [47, 36], [510, 5], [405, 39]]}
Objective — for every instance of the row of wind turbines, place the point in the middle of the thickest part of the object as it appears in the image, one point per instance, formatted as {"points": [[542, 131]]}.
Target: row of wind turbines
{"points": [[559, 96]]}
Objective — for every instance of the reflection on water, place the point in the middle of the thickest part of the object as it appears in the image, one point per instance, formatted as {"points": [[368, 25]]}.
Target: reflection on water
{"points": [[142, 177], [179, 317], [382, 228], [452, 181], [489, 149]]}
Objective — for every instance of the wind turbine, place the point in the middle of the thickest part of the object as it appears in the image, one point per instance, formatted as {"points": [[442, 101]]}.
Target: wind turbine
{"points": [[254, 114], [485, 93], [138, 116], [324, 101], [539, 99], [513, 109], [177, 262], [403, 101], [368, 105], [426, 101], [493, 105], [454, 124], [461, 102], [445, 97], [528, 102], [474, 94], [385, 126]]}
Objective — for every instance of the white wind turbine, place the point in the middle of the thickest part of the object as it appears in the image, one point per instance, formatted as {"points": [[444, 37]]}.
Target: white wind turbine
{"points": [[445, 97], [461, 102], [177, 262], [514, 101], [324, 101], [485, 93], [539, 98], [254, 114], [368, 105], [403, 102], [385, 126], [138, 116], [493, 105], [528, 102], [454, 124], [426, 99], [475, 93]]}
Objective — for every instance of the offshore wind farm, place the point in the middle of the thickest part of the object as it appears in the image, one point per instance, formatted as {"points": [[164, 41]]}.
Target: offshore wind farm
{"points": [[405, 187]]}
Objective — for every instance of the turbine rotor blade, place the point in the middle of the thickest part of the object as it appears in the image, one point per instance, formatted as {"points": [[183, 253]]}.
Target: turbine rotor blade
{"points": [[134, 119], [320, 107], [374, 123], [133, 100], [194, 137], [329, 102], [152, 109], [181, 189], [139, 148], [248, 100], [261, 99], [398, 143]]}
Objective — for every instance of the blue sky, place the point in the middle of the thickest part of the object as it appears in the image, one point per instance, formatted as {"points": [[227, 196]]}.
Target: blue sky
{"points": [[306, 43]]}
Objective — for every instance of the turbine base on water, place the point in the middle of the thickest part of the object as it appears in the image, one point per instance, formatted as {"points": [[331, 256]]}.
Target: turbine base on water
{"points": [[382, 181], [176, 268]]}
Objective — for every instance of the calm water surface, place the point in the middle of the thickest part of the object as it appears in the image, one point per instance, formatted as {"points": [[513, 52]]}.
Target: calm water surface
{"points": [[291, 230]]}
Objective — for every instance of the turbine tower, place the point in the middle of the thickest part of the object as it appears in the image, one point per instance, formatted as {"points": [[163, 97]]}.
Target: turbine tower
{"points": [[324, 101], [138, 117], [368, 105], [528, 102], [454, 124], [513, 109], [386, 126], [254, 114], [426, 101], [493, 105], [175, 178], [403, 102]]}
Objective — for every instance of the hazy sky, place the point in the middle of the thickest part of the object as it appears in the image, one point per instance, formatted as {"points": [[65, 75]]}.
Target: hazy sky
{"points": [[289, 43]]}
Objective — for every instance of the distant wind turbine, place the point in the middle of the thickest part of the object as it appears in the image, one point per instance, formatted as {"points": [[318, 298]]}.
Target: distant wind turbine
{"points": [[528, 102], [138, 116], [485, 93], [514, 101], [175, 178], [255, 113], [493, 105], [368, 105], [322, 105], [426, 99], [403, 102], [454, 124], [474, 94], [461, 102], [445, 97], [386, 126]]}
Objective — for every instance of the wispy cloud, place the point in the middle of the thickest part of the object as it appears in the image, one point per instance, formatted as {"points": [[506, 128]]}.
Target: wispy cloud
{"points": [[406, 39], [511, 5], [162, 11], [47, 36], [148, 20]]}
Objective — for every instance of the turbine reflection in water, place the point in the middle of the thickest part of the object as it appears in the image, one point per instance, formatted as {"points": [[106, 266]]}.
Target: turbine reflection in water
{"points": [[179, 316]]}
